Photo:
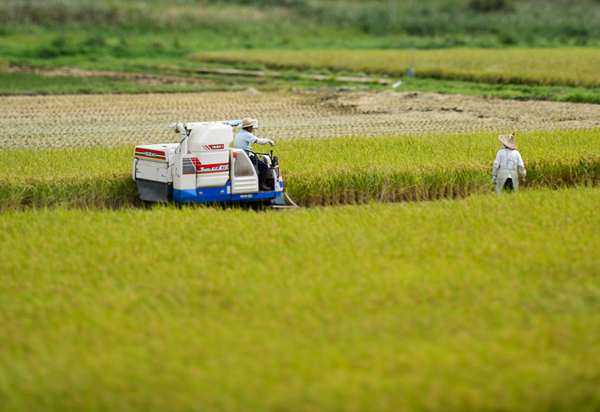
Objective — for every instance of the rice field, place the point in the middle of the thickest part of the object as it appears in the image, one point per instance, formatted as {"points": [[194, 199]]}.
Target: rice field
{"points": [[108, 120], [387, 147], [319, 171], [475, 303], [414, 306], [547, 66], [403, 284]]}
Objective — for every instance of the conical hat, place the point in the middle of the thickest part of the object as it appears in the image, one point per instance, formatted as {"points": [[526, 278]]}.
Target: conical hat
{"points": [[247, 122], [508, 140]]}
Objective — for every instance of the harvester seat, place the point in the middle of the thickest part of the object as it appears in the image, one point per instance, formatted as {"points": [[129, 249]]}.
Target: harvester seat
{"points": [[266, 159]]}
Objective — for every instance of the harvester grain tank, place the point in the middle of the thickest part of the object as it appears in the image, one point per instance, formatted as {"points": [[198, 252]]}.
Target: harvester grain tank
{"points": [[202, 168]]}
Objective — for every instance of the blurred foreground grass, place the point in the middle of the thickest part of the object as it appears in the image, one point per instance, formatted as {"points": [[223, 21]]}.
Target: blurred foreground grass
{"points": [[484, 303]]}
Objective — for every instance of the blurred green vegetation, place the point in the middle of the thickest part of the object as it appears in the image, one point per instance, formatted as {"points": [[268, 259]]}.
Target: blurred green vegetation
{"points": [[314, 23], [157, 37]]}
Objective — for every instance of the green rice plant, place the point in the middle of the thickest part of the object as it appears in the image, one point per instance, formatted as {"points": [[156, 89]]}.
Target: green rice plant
{"points": [[568, 67], [323, 171], [74, 178], [430, 166], [107, 190], [485, 303]]}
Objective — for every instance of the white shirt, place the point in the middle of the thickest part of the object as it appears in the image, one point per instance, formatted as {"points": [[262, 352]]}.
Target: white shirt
{"points": [[243, 139], [511, 160]]}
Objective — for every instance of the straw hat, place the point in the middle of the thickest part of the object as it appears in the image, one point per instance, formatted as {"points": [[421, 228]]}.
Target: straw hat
{"points": [[247, 122], [508, 140]]}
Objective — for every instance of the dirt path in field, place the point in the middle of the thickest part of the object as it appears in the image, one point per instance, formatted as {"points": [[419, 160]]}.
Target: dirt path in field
{"points": [[90, 120], [156, 79], [142, 78], [260, 73]]}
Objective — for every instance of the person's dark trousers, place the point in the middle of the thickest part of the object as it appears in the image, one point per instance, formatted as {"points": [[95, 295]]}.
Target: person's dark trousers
{"points": [[508, 185], [263, 168]]}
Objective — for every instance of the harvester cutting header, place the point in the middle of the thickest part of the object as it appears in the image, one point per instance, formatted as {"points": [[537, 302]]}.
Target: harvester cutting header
{"points": [[202, 168]]}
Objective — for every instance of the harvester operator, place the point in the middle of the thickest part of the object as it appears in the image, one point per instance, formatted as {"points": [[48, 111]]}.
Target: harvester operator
{"points": [[243, 139]]}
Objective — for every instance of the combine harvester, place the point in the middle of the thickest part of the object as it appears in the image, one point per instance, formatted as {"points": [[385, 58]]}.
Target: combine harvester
{"points": [[202, 168]]}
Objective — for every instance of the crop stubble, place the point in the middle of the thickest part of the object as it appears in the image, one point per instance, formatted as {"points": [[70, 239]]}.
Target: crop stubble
{"points": [[108, 120]]}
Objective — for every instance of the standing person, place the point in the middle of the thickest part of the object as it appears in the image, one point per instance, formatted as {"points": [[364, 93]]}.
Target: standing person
{"points": [[243, 139], [508, 165]]}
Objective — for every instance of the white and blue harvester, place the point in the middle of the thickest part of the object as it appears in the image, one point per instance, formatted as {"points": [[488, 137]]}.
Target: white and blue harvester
{"points": [[202, 168]]}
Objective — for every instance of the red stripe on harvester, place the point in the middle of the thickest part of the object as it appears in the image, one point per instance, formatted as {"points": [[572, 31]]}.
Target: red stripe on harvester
{"points": [[142, 151], [215, 166]]}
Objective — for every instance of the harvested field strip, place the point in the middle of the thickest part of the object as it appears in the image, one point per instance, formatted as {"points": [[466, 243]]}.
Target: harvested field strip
{"points": [[568, 67], [86, 121], [353, 308], [317, 172]]}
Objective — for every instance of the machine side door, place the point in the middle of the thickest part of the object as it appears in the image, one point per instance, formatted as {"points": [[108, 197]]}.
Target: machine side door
{"points": [[244, 178]]}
